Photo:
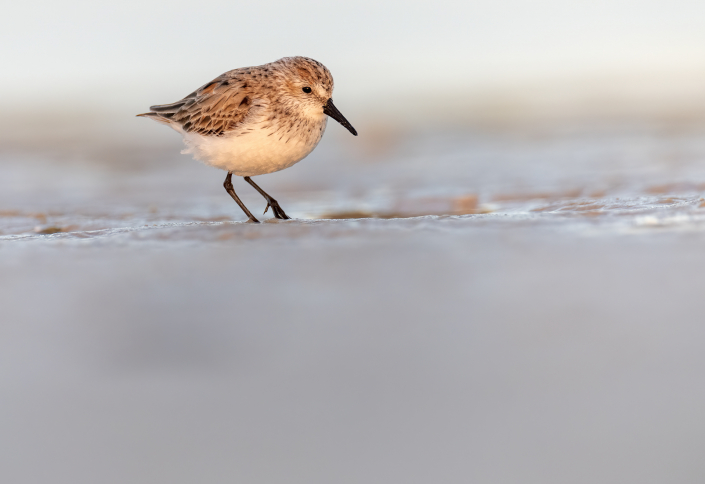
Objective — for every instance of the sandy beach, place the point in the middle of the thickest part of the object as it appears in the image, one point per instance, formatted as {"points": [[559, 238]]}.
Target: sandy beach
{"points": [[458, 305]]}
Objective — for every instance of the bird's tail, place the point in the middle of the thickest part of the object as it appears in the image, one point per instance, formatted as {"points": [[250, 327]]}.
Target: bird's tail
{"points": [[154, 116]]}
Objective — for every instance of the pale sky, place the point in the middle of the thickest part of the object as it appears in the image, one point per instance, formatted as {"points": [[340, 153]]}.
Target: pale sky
{"points": [[147, 52]]}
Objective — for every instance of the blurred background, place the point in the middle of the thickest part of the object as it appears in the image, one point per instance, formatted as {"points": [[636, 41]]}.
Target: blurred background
{"points": [[498, 281]]}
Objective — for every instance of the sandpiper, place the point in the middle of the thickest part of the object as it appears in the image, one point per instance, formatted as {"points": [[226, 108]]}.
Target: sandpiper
{"points": [[256, 120]]}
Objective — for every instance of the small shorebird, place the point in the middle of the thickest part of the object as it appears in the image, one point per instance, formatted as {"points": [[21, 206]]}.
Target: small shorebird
{"points": [[256, 120]]}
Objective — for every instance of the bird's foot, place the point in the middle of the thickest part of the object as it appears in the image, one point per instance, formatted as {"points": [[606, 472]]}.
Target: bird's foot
{"points": [[276, 210]]}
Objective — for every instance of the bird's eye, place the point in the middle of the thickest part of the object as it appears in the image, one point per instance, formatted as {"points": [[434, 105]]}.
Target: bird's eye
{"points": [[307, 90]]}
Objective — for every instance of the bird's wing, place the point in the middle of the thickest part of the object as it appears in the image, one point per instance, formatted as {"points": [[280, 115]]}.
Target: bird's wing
{"points": [[212, 110]]}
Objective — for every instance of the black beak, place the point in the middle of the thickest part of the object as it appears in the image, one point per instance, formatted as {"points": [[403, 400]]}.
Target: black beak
{"points": [[333, 112]]}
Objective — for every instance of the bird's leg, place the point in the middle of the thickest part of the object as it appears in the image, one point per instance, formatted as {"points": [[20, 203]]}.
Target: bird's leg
{"points": [[228, 184], [276, 209]]}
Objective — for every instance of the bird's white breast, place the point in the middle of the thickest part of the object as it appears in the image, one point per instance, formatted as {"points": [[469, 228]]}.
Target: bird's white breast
{"points": [[256, 150]]}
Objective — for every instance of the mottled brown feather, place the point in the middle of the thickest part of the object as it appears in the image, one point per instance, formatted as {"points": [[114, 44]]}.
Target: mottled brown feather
{"points": [[212, 110], [222, 105]]}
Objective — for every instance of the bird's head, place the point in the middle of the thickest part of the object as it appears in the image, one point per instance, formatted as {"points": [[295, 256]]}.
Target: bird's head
{"points": [[309, 88]]}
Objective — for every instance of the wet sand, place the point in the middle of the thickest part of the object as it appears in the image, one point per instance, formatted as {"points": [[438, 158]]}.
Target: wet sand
{"points": [[453, 306]]}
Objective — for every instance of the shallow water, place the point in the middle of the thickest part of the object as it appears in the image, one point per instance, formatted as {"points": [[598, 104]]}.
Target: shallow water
{"points": [[455, 306]]}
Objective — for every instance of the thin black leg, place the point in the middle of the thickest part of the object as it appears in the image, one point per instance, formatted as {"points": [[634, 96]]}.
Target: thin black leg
{"points": [[228, 184], [278, 212]]}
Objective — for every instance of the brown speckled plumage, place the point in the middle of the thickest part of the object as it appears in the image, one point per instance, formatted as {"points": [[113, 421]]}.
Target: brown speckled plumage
{"points": [[222, 105], [256, 120]]}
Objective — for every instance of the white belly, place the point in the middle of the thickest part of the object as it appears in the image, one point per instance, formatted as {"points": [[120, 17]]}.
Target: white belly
{"points": [[255, 152]]}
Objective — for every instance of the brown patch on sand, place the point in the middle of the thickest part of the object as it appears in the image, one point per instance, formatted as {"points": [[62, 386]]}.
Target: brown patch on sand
{"points": [[467, 204], [525, 197], [352, 214], [675, 187], [50, 230]]}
